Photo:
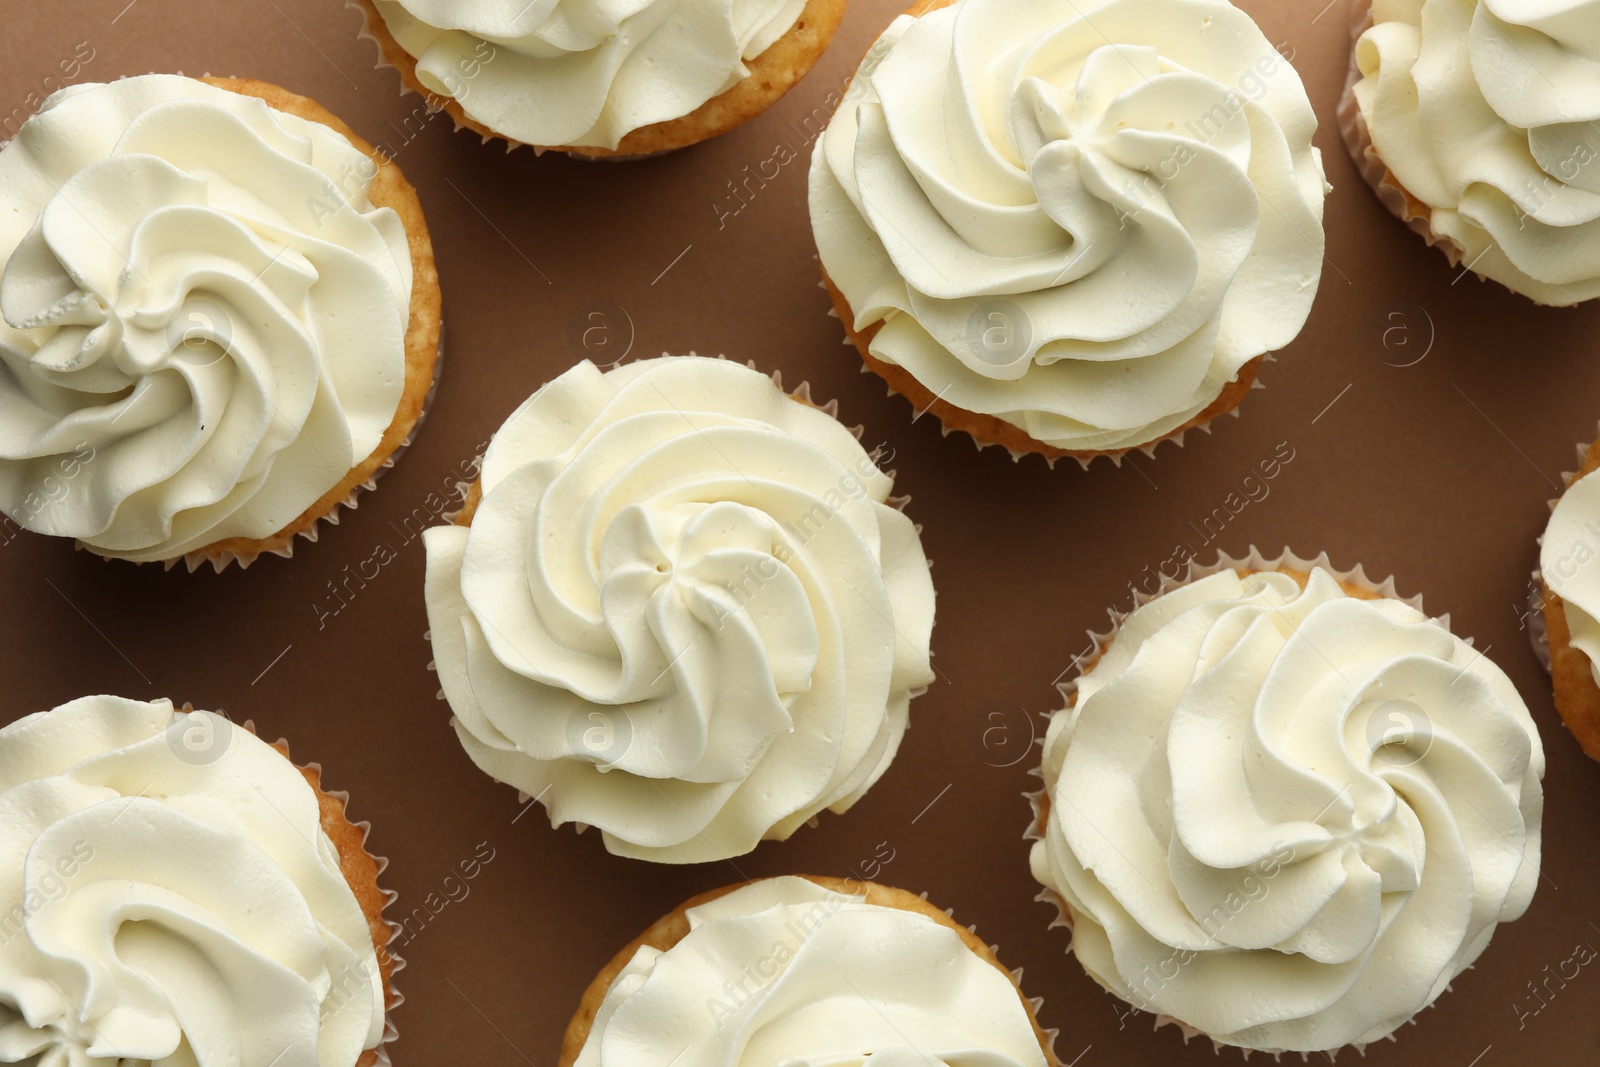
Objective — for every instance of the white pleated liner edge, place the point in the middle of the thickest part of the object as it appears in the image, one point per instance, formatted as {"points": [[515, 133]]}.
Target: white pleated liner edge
{"points": [[390, 1031], [1148, 449], [220, 562], [801, 393], [1538, 632], [1253, 560]]}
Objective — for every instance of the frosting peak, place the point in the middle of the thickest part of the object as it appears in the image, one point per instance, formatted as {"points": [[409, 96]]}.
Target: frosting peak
{"points": [[684, 611], [1288, 817]]}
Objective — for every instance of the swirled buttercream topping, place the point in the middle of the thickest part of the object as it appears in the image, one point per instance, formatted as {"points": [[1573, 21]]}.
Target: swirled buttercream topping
{"points": [[205, 317], [684, 611], [784, 971], [1485, 111], [1083, 221], [1567, 556], [583, 72], [1288, 817], [167, 895]]}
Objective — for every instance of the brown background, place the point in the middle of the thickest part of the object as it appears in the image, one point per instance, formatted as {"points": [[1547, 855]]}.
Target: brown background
{"points": [[1437, 472]]}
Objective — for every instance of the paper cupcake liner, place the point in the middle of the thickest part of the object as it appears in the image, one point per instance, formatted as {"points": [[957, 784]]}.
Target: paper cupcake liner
{"points": [[1538, 631], [1099, 641], [395, 998], [220, 561], [1358, 142], [1083, 459], [800, 393]]}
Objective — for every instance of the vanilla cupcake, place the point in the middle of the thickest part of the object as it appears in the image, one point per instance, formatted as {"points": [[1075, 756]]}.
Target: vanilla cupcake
{"points": [[1067, 231], [221, 318], [1474, 120], [175, 890], [1286, 809], [806, 970], [680, 607], [599, 80], [1571, 602]]}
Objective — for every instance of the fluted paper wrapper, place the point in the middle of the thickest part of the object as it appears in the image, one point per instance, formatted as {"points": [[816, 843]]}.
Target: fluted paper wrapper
{"points": [[379, 1055]]}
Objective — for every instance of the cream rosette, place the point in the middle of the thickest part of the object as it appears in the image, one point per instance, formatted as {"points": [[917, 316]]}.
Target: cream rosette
{"points": [[166, 901], [684, 611], [1288, 817], [1485, 111], [205, 317], [1082, 219]]}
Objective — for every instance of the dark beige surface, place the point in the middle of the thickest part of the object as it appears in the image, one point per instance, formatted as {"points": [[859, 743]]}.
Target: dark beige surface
{"points": [[1437, 472]]}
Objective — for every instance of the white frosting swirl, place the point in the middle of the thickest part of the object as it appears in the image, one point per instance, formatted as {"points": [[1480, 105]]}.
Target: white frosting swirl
{"points": [[1083, 222], [201, 305], [783, 971], [1289, 818], [583, 72], [683, 613], [1570, 544], [168, 901], [1485, 111]]}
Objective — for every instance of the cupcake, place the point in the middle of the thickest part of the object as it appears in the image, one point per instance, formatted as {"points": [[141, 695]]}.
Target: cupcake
{"points": [[1065, 232], [221, 318], [596, 80], [1286, 809], [682, 607], [806, 970], [175, 890], [1474, 120], [1571, 602]]}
